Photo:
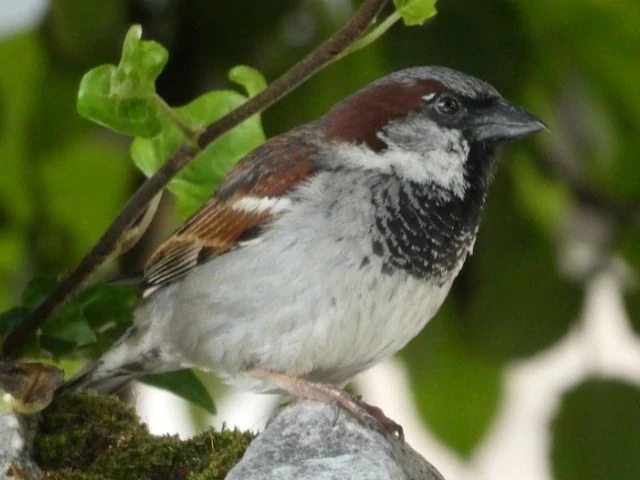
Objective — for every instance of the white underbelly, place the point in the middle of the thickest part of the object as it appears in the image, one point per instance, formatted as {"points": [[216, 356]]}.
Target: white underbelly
{"points": [[326, 322]]}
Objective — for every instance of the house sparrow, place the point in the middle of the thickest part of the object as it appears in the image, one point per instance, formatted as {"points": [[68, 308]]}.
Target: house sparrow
{"points": [[329, 247]]}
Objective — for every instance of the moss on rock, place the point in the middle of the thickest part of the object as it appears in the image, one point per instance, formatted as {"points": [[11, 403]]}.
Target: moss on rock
{"points": [[90, 437]]}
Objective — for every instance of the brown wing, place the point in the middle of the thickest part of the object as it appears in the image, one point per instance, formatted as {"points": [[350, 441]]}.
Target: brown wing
{"points": [[244, 202]]}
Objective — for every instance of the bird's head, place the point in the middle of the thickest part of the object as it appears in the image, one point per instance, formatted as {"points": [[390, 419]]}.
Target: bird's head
{"points": [[430, 125]]}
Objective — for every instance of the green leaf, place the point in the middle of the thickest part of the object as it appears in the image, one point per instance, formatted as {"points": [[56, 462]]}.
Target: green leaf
{"points": [[415, 12], [108, 310], [95, 318], [66, 330], [37, 290], [108, 303], [250, 78], [596, 432], [185, 384], [69, 324], [11, 319], [195, 183], [457, 392], [123, 97]]}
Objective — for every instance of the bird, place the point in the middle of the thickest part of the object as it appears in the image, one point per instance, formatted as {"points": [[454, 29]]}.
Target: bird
{"points": [[328, 248]]}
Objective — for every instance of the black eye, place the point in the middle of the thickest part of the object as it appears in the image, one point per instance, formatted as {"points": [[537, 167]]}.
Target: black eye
{"points": [[447, 105]]}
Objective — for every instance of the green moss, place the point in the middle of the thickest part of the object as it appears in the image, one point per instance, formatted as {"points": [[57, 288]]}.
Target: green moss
{"points": [[69, 474], [89, 437]]}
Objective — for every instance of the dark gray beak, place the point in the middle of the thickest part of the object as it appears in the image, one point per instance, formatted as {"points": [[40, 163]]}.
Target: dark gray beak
{"points": [[504, 121]]}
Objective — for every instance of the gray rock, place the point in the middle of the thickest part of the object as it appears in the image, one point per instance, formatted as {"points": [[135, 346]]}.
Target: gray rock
{"points": [[16, 435], [310, 440]]}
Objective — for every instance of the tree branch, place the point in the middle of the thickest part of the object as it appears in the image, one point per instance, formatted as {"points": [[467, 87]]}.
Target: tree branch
{"points": [[301, 72]]}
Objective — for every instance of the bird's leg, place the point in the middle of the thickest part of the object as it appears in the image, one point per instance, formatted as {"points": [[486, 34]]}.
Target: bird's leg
{"points": [[332, 394]]}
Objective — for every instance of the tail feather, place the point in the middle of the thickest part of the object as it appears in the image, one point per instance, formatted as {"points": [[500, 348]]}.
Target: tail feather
{"points": [[99, 380], [130, 358]]}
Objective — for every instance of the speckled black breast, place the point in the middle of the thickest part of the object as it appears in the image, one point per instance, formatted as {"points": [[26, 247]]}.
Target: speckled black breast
{"points": [[423, 229]]}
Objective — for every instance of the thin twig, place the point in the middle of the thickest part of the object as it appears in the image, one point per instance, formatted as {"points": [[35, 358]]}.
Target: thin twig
{"points": [[301, 72]]}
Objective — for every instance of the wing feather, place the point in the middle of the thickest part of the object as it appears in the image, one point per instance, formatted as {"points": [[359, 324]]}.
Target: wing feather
{"points": [[245, 201]]}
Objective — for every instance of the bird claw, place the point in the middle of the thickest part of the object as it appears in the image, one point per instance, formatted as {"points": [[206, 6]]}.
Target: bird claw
{"points": [[388, 425], [328, 393]]}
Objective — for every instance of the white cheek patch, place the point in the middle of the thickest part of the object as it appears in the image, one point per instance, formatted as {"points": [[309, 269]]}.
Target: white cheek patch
{"points": [[419, 151], [272, 205], [444, 167]]}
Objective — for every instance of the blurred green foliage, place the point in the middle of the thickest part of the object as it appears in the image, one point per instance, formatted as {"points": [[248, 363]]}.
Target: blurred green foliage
{"points": [[595, 434], [457, 389], [516, 301], [573, 62]]}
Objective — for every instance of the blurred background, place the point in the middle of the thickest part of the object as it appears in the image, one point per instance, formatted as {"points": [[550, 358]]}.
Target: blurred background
{"points": [[532, 369]]}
